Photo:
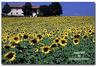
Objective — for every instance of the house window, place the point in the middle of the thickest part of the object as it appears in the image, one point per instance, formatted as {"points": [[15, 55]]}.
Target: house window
{"points": [[11, 13], [17, 13]]}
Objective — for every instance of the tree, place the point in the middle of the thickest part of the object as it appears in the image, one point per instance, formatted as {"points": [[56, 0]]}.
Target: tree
{"points": [[55, 9], [44, 10], [27, 9], [6, 9]]}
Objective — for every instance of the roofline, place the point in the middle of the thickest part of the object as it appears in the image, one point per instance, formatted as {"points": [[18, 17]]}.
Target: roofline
{"points": [[33, 7]]}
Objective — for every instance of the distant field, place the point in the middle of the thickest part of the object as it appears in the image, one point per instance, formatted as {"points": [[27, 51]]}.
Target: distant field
{"points": [[48, 40]]}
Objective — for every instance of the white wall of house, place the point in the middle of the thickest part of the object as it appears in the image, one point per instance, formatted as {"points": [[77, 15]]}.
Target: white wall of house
{"points": [[16, 12], [37, 11], [19, 12], [35, 14]]}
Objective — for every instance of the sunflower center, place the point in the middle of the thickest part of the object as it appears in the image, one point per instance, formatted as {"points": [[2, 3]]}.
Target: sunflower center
{"points": [[25, 36], [10, 55], [34, 41], [65, 37], [75, 41], [7, 47], [16, 38], [39, 36], [57, 40], [45, 49], [63, 41], [85, 37], [65, 33], [53, 45], [92, 33], [76, 36], [89, 30]]}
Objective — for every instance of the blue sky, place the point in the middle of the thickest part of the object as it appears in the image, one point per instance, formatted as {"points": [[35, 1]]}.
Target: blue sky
{"points": [[69, 8]]}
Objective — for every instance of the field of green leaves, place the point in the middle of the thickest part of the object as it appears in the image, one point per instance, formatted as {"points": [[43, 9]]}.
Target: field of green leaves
{"points": [[48, 40]]}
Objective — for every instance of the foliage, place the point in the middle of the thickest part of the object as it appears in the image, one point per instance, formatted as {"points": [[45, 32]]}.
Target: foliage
{"points": [[55, 9], [27, 9], [6, 9], [44, 10]]}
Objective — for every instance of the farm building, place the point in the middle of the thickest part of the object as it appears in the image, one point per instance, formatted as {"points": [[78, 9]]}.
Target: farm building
{"points": [[17, 11]]}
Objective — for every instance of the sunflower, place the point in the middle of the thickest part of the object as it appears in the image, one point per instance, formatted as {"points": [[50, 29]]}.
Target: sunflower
{"points": [[65, 33], [77, 36], [62, 36], [53, 45], [65, 37], [63, 42], [73, 30], [93, 39], [16, 39], [40, 37], [7, 46], [57, 40], [14, 44], [93, 34], [20, 35], [25, 36], [4, 39], [49, 34], [45, 49], [45, 31], [76, 41], [85, 36], [57, 29], [30, 37], [69, 29], [34, 41], [10, 56], [90, 31]]}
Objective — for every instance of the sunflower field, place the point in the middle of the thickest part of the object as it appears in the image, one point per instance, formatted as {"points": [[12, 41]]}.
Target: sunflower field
{"points": [[48, 40]]}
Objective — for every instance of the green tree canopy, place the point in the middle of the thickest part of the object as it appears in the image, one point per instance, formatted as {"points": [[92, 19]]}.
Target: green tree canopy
{"points": [[27, 9], [55, 8], [43, 10], [6, 9]]}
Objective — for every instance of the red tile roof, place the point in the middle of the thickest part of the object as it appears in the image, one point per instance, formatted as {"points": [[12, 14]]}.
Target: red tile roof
{"points": [[35, 7]]}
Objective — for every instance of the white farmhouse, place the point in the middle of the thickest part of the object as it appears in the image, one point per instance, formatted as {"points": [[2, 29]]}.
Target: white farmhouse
{"points": [[17, 11]]}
